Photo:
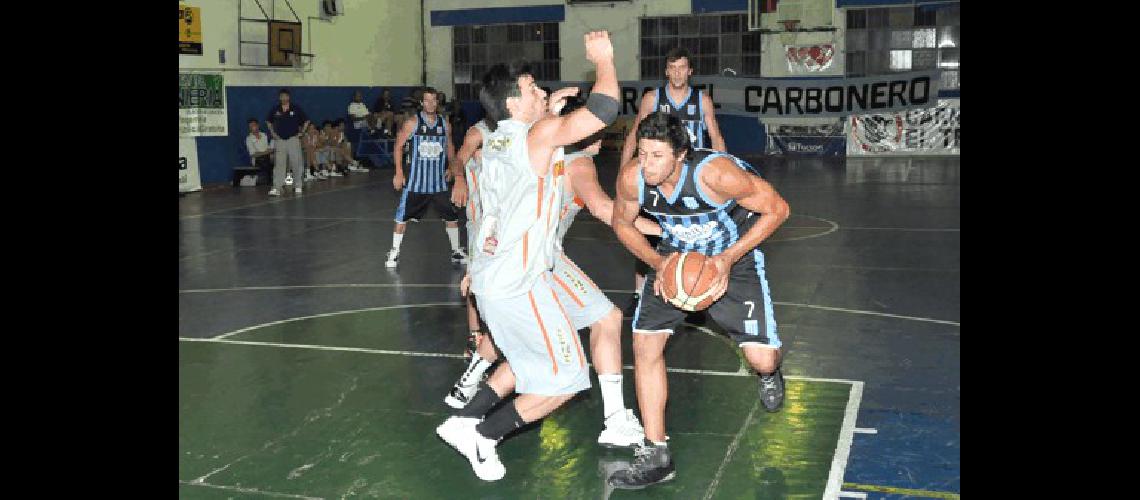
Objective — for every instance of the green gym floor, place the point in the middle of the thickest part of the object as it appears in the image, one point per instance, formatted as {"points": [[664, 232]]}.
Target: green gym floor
{"points": [[309, 370]]}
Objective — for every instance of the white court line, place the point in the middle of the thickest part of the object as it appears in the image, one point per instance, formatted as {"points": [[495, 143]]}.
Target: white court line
{"points": [[247, 490], [336, 313], [318, 347], [442, 285], [731, 448], [843, 446], [852, 494], [864, 430], [834, 227], [280, 199]]}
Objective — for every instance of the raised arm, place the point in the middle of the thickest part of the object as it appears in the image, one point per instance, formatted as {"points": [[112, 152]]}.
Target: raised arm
{"points": [[600, 110]]}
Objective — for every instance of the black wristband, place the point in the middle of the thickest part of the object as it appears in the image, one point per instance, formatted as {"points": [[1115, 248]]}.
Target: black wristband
{"points": [[603, 106]]}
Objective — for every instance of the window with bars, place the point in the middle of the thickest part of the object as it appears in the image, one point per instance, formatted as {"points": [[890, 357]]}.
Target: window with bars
{"points": [[889, 39], [477, 48], [716, 42]]}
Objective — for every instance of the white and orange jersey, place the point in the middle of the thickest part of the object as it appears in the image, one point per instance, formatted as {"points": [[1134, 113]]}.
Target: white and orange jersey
{"points": [[572, 203], [474, 208], [520, 212]]}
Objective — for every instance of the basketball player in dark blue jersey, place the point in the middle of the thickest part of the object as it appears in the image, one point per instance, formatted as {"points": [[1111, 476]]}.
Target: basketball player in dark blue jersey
{"points": [[693, 107], [425, 183], [715, 204]]}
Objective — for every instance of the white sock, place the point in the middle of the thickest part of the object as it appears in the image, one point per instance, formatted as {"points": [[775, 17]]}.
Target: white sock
{"points": [[612, 400], [475, 370], [396, 239], [453, 235]]}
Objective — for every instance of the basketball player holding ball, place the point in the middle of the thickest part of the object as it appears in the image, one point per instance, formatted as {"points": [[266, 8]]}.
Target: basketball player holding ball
{"points": [[707, 203]]}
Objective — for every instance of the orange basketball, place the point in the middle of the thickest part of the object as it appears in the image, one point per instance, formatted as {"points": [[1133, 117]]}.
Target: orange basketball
{"points": [[685, 282]]}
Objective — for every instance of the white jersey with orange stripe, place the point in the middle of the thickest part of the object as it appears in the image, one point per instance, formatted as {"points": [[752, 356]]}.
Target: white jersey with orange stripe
{"points": [[519, 214], [474, 208], [572, 203]]}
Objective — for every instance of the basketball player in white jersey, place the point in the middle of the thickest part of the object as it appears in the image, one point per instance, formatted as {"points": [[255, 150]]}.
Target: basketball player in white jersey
{"points": [[585, 303], [425, 182], [695, 109], [515, 249]]}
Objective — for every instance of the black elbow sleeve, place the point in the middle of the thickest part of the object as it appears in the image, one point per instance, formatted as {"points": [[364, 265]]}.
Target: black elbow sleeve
{"points": [[603, 106]]}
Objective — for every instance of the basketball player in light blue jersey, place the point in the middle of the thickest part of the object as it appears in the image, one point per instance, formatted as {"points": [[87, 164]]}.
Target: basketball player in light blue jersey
{"points": [[426, 179], [693, 107]]}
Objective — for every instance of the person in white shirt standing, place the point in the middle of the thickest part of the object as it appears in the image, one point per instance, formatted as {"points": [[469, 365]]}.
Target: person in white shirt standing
{"points": [[522, 175], [260, 151], [357, 110]]}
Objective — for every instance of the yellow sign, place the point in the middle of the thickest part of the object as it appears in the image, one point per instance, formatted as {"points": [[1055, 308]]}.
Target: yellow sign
{"points": [[189, 30]]}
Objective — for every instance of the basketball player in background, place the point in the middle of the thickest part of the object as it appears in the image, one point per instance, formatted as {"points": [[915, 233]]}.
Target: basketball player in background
{"points": [[426, 183], [707, 202], [697, 114]]}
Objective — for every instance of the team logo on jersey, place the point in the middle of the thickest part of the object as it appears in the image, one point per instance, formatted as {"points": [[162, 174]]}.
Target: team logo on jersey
{"points": [[499, 143], [694, 234], [430, 150], [692, 109], [690, 202], [423, 129], [665, 108]]}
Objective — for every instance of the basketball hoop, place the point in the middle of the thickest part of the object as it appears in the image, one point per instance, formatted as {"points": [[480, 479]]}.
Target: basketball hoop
{"points": [[790, 24]]}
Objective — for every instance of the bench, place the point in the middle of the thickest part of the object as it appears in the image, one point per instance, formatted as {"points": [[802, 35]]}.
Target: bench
{"points": [[242, 171]]}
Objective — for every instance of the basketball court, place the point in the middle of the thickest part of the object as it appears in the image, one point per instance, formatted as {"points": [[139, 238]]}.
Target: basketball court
{"points": [[309, 370]]}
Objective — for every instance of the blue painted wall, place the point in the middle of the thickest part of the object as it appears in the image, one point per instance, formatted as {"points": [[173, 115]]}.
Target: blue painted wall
{"points": [[217, 156]]}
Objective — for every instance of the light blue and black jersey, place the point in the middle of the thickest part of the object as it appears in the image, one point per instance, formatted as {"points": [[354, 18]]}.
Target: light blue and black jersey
{"points": [[690, 221], [429, 156], [689, 110]]}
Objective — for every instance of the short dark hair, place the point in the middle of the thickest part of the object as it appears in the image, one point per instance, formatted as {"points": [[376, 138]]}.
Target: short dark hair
{"points": [[677, 53], [429, 90], [572, 104], [659, 126], [283, 91], [500, 82], [338, 122], [326, 123], [251, 120]]}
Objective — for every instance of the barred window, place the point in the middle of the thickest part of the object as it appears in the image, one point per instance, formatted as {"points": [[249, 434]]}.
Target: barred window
{"points": [[716, 42], [477, 48], [888, 39]]}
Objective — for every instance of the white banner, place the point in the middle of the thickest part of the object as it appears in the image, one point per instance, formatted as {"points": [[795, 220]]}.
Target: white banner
{"points": [[795, 97], [188, 178], [809, 58], [201, 105], [921, 131]]}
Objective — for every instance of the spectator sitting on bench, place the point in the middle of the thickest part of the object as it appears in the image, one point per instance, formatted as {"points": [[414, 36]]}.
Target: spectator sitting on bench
{"points": [[343, 148], [357, 110], [260, 150], [384, 110], [312, 144], [329, 149]]}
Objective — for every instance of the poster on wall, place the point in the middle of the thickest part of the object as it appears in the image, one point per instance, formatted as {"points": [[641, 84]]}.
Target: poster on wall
{"points": [[934, 130], [809, 58], [188, 178], [814, 140], [795, 97], [201, 105], [189, 30]]}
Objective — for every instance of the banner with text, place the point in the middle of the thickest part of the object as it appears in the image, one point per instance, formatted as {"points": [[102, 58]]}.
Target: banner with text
{"points": [[188, 178], [795, 97], [201, 105], [934, 130]]}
